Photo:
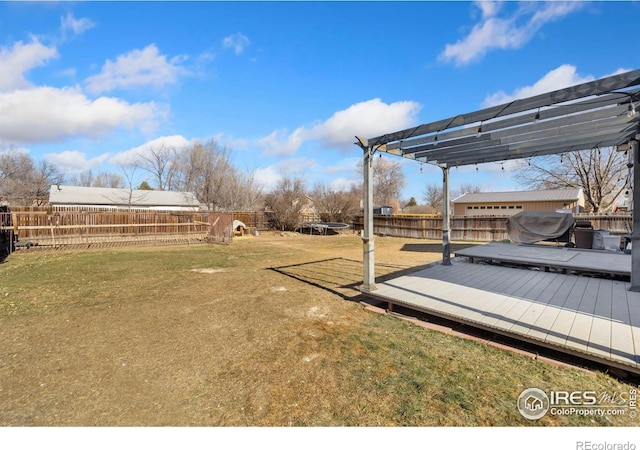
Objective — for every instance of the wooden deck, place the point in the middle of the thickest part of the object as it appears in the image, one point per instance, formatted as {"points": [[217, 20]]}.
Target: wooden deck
{"points": [[573, 259], [594, 318]]}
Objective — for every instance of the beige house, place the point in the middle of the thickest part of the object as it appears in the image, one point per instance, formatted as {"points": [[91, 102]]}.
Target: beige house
{"points": [[308, 212], [509, 203]]}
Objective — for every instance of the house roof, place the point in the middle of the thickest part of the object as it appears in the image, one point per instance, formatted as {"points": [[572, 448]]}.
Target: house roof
{"points": [[79, 195], [556, 195]]}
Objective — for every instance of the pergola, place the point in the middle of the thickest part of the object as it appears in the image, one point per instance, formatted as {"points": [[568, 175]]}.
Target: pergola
{"points": [[597, 114]]}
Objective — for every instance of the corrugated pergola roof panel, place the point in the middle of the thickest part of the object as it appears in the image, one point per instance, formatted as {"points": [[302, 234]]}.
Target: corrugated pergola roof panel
{"points": [[600, 113]]}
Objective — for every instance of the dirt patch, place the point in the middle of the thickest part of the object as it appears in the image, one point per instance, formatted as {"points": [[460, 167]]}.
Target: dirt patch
{"points": [[209, 270]]}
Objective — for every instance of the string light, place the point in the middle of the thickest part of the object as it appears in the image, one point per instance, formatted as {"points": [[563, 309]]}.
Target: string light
{"points": [[537, 117]]}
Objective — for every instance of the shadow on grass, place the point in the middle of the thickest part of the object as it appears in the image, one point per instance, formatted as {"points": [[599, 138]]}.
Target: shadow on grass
{"points": [[340, 276]]}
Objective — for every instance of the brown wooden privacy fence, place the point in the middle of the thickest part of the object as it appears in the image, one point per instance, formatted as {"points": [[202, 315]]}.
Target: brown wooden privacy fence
{"points": [[85, 227], [483, 229]]}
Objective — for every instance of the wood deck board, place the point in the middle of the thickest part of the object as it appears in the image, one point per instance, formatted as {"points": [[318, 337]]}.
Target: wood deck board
{"points": [[600, 337], [581, 326], [548, 256], [586, 316], [546, 319], [622, 340], [531, 315], [634, 313], [450, 297], [561, 326]]}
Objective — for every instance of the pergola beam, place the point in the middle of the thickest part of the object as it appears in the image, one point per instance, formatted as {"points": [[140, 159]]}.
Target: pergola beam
{"points": [[540, 117], [597, 87]]}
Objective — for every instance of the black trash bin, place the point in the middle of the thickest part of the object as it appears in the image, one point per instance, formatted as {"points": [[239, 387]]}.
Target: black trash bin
{"points": [[584, 234]]}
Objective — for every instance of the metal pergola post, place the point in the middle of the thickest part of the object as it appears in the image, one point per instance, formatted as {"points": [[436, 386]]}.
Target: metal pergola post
{"points": [[367, 231], [635, 234], [446, 218]]}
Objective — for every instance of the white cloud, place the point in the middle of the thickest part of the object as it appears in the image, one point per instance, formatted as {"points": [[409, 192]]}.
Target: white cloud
{"points": [[146, 67], [344, 184], [488, 8], [344, 165], [279, 144], [47, 114], [237, 42], [21, 58], [76, 26], [268, 177], [177, 142], [367, 119], [508, 32], [229, 141], [561, 77], [73, 161]]}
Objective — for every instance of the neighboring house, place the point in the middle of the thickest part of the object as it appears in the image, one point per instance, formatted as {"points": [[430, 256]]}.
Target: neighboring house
{"points": [[78, 196], [308, 212], [509, 203]]}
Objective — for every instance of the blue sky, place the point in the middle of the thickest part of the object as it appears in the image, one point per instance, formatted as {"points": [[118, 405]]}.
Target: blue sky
{"points": [[286, 85]]}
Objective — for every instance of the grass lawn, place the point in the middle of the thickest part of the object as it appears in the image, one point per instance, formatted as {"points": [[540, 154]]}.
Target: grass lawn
{"points": [[267, 331]]}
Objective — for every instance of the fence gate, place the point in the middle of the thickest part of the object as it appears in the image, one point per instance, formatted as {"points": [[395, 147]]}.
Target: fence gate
{"points": [[220, 228]]}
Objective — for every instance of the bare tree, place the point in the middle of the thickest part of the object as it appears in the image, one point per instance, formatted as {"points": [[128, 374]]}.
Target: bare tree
{"points": [[101, 179], [433, 197], [126, 196], [204, 169], [433, 194], [285, 203], [207, 171], [465, 188], [245, 191], [602, 175], [160, 163], [388, 181], [336, 205], [23, 181]]}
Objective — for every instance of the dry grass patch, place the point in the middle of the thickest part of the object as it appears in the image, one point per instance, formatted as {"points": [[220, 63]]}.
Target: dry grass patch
{"points": [[265, 332]]}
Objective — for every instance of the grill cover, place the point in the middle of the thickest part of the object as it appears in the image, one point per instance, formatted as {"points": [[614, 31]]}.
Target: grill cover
{"points": [[528, 227]]}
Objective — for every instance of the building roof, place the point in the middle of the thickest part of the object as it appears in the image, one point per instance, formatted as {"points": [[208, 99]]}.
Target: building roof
{"points": [[78, 195], [556, 195]]}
